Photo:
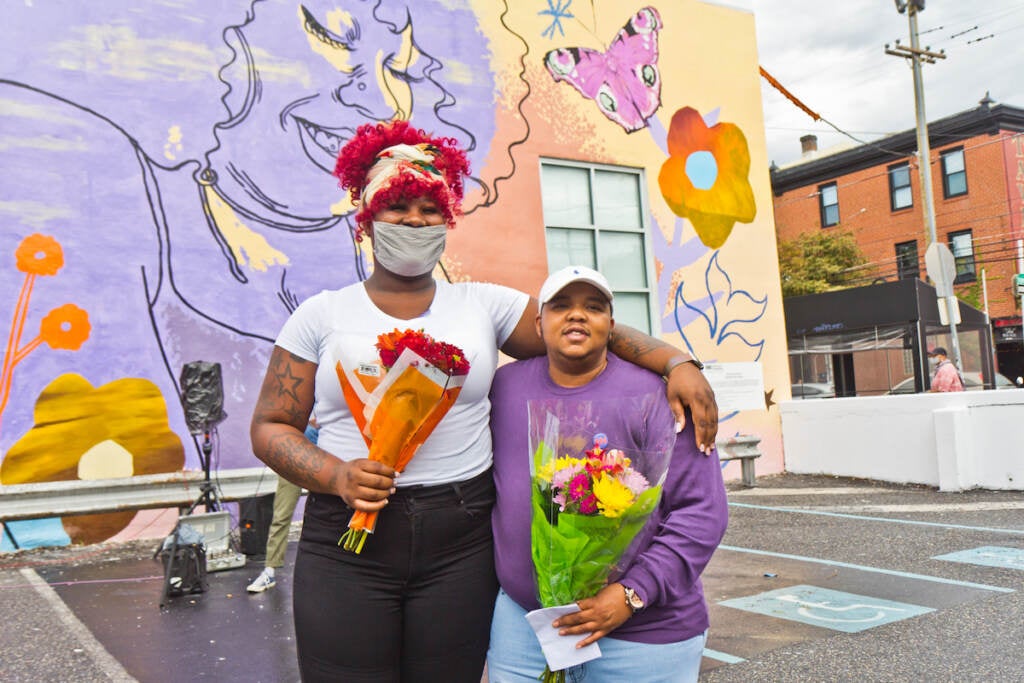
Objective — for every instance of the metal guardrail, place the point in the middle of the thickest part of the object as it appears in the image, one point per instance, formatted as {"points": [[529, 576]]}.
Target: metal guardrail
{"points": [[176, 489], [181, 489]]}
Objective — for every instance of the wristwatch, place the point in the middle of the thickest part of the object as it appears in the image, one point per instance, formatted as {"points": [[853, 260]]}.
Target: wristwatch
{"points": [[634, 601], [676, 361]]}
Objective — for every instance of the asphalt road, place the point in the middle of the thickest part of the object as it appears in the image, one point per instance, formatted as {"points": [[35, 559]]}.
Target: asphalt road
{"points": [[818, 579]]}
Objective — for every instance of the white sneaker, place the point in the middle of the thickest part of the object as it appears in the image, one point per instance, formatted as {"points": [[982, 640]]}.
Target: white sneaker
{"points": [[264, 581]]}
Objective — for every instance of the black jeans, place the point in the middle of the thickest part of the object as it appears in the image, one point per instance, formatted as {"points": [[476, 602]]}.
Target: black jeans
{"points": [[415, 605]]}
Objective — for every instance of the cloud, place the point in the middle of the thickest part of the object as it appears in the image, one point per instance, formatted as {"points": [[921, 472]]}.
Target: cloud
{"points": [[831, 56]]}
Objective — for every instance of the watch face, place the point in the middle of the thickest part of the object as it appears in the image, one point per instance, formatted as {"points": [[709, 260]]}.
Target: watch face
{"points": [[633, 599]]}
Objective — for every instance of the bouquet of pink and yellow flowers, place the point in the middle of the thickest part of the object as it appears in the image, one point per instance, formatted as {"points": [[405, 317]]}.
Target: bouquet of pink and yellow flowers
{"points": [[396, 412], [590, 506]]}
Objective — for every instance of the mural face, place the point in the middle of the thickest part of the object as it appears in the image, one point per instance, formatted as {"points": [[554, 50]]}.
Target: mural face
{"points": [[178, 163], [168, 196]]}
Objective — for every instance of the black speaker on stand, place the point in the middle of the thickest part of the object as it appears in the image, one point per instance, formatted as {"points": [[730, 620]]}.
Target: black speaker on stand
{"points": [[202, 397]]}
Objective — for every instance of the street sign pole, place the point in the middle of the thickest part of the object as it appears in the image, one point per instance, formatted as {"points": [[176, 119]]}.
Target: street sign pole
{"points": [[940, 265]]}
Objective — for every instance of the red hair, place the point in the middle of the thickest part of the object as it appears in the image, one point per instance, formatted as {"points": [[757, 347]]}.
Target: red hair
{"points": [[359, 154]]}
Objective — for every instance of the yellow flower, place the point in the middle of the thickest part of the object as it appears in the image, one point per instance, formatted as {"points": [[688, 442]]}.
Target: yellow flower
{"points": [[612, 496], [705, 177]]}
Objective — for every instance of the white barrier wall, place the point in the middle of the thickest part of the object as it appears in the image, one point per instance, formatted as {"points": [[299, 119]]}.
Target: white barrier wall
{"points": [[954, 441]]}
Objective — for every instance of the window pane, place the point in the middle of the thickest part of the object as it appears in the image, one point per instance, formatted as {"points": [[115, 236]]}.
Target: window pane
{"points": [[565, 193], [616, 199], [953, 162], [831, 215], [899, 187], [632, 310], [622, 260], [829, 195], [906, 260], [960, 243], [570, 248], [957, 184], [902, 198]]}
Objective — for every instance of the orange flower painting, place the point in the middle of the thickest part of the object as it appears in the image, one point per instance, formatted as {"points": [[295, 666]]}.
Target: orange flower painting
{"points": [[64, 328], [705, 178], [39, 255]]}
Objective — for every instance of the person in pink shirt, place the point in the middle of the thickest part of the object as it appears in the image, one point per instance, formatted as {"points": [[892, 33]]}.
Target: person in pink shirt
{"points": [[947, 377]]}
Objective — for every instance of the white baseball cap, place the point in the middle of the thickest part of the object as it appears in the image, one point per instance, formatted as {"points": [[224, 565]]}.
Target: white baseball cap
{"points": [[560, 279]]}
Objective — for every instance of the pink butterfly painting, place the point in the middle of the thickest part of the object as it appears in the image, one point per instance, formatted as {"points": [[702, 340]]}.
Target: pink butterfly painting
{"points": [[624, 80]]}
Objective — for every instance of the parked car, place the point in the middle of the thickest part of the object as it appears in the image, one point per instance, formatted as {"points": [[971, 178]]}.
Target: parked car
{"points": [[814, 390], [972, 382]]}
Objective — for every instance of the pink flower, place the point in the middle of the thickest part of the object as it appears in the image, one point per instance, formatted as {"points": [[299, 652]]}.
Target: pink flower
{"points": [[588, 506], [634, 481], [579, 486]]}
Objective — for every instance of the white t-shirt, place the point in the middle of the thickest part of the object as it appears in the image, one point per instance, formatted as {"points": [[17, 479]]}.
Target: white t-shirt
{"points": [[476, 317]]}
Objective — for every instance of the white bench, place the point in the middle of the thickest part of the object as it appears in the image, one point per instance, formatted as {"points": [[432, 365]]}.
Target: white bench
{"points": [[743, 448]]}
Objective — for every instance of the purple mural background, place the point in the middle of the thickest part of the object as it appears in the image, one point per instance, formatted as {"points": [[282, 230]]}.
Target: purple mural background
{"points": [[179, 152]]}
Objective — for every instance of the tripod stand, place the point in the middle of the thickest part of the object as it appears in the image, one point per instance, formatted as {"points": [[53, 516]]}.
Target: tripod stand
{"points": [[208, 498]]}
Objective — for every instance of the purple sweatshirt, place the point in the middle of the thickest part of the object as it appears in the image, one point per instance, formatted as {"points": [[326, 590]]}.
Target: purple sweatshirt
{"points": [[683, 531]]}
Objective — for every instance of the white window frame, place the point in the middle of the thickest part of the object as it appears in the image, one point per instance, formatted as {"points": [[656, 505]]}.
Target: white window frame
{"points": [[651, 291]]}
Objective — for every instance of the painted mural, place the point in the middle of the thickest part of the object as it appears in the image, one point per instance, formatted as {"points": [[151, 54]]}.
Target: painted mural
{"points": [[167, 194]]}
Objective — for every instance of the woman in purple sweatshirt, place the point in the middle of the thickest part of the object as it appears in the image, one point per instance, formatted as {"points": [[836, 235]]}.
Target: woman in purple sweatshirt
{"points": [[652, 620]]}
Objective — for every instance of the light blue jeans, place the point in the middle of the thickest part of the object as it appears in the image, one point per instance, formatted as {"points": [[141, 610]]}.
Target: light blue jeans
{"points": [[515, 655]]}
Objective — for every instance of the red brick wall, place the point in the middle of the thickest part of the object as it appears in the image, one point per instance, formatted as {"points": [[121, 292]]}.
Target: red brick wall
{"points": [[864, 209]]}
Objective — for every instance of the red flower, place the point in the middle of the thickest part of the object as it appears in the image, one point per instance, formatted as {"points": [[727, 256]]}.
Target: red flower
{"points": [[447, 358], [588, 506]]}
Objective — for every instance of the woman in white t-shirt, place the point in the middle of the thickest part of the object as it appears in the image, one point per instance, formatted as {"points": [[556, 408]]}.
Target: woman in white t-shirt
{"points": [[415, 604]]}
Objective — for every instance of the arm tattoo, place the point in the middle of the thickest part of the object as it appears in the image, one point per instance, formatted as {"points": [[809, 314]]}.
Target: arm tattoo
{"points": [[300, 459], [629, 343], [287, 383]]}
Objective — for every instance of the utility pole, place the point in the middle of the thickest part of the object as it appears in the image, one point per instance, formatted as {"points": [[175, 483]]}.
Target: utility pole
{"points": [[916, 55]]}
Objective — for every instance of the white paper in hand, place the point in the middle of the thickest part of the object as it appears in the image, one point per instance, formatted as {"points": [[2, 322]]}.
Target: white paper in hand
{"points": [[560, 651]]}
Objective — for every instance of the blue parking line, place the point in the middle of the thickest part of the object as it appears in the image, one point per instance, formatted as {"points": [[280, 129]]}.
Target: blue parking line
{"points": [[994, 530], [722, 656], [864, 568]]}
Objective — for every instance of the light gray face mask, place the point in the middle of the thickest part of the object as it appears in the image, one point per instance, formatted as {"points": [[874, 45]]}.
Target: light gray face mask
{"points": [[408, 251]]}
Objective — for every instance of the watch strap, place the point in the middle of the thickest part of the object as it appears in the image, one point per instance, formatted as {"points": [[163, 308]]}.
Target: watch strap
{"points": [[676, 361]]}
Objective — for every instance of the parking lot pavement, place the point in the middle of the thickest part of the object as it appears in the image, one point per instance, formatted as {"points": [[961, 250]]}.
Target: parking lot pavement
{"points": [[818, 579], [821, 578]]}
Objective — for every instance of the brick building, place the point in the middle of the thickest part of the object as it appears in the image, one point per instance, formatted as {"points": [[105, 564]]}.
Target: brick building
{"points": [[874, 191]]}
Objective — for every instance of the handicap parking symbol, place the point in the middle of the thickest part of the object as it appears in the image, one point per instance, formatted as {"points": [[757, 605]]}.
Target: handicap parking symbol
{"points": [[988, 556], [836, 610]]}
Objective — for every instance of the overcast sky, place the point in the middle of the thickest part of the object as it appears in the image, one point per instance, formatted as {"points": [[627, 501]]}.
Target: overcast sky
{"points": [[831, 56]]}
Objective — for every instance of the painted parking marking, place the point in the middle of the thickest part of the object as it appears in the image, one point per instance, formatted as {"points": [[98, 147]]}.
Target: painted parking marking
{"points": [[722, 656], [867, 518], [836, 610], [988, 556], [866, 568]]}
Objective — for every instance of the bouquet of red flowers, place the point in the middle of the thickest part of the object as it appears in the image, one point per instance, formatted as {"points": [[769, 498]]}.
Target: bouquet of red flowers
{"points": [[397, 412]]}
